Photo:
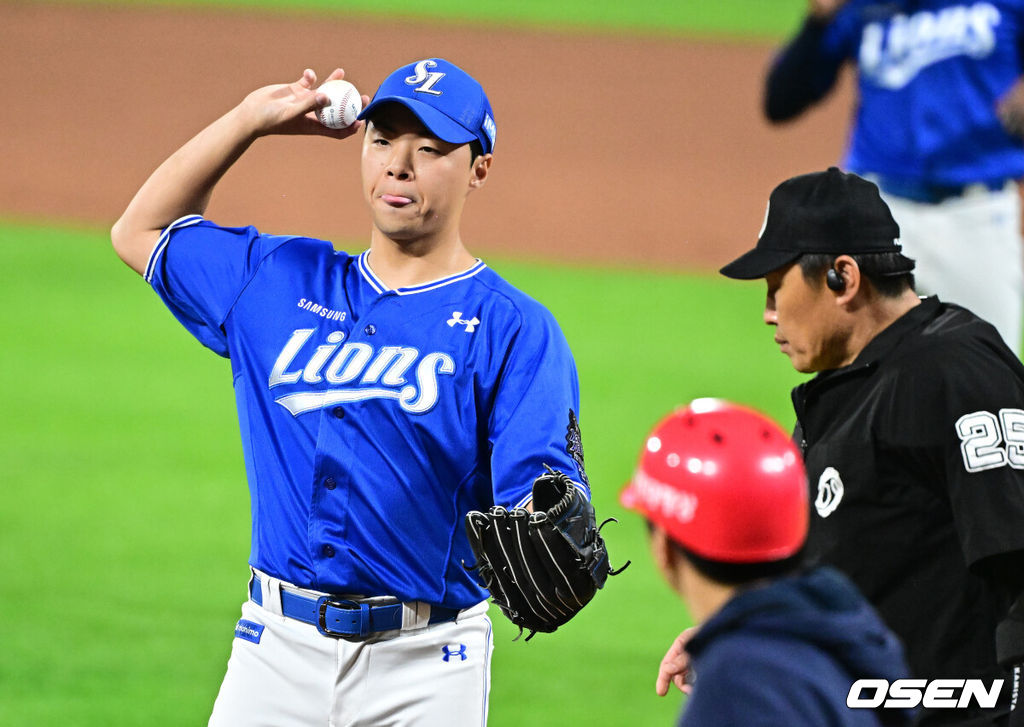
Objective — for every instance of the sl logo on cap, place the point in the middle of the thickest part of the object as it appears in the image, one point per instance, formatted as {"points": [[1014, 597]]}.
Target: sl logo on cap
{"points": [[425, 77]]}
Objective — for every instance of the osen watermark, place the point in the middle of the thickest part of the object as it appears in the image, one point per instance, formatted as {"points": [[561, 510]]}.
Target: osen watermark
{"points": [[928, 693]]}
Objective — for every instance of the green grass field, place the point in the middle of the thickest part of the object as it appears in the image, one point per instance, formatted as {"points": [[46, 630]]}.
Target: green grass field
{"points": [[721, 18], [124, 528]]}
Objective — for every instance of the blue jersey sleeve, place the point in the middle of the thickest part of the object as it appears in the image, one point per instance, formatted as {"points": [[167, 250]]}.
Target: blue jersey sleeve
{"points": [[534, 418], [198, 269], [842, 35]]}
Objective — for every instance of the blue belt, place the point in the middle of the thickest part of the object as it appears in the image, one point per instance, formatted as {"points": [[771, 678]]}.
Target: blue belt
{"points": [[929, 193], [343, 618]]}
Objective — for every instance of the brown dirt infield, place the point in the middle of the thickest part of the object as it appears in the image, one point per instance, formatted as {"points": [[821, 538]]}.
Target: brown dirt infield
{"points": [[648, 151]]}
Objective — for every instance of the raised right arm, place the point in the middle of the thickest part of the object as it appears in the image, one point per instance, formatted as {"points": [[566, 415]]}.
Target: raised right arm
{"points": [[801, 75], [182, 185]]}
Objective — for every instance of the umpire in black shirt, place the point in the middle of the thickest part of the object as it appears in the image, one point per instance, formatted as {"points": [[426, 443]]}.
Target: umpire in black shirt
{"points": [[912, 432]]}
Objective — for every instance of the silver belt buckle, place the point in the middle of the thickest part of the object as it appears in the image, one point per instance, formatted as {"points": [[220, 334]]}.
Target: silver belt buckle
{"points": [[324, 602]]}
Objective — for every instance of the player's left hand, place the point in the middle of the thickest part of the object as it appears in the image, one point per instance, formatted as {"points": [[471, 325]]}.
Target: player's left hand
{"points": [[675, 667], [541, 568], [1010, 109]]}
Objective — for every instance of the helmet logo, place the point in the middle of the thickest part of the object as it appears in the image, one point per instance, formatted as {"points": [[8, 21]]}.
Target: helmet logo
{"points": [[672, 503], [830, 492]]}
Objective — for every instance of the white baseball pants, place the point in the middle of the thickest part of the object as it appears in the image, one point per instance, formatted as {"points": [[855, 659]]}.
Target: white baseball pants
{"points": [[969, 251], [285, 673]]}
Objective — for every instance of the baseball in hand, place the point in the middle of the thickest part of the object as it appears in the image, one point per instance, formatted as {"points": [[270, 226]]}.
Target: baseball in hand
{"points": [[344, 107]]}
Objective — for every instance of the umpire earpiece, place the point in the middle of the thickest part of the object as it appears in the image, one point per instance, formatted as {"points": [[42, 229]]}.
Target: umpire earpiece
{"points": [[834, 280]]}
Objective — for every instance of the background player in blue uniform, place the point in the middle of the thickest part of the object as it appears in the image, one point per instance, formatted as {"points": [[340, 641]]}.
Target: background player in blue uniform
{"points": [[935, 80], [380, 397]]}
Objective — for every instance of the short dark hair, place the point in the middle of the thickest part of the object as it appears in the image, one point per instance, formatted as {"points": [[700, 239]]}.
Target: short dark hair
{"points": [[888, 272], [476, 149], [735, 574], [738, 574]]}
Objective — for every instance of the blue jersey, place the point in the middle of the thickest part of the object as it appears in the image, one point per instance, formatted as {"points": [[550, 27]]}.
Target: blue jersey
{"points": [[930, 74], [373, 419]]}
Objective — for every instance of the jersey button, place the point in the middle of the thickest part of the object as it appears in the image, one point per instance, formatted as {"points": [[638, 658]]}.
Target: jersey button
{"points": [[328, 551], [370, 329], [338, 412], [330, 484]]}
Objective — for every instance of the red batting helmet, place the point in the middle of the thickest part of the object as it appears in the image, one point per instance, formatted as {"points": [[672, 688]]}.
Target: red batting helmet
{"points": [[725, 482]]}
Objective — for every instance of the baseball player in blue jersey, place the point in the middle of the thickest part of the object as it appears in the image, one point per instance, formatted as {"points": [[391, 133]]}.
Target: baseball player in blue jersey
{"points": [[936, 125], [381, 396]]}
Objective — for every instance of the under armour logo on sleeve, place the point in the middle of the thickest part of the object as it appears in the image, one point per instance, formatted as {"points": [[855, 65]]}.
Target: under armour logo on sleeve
{"points": [[470, 325]]}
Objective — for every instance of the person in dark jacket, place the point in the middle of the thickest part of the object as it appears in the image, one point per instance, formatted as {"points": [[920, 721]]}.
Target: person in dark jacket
{"points": [[724, 491]]}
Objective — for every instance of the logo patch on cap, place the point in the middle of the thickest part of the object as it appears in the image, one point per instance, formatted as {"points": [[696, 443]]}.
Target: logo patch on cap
{"points": [[425, 78], [490, 129]]}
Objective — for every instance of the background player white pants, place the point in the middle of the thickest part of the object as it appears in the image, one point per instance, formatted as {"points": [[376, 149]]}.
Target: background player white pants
{"points": [[297, 677], [969, 251]]}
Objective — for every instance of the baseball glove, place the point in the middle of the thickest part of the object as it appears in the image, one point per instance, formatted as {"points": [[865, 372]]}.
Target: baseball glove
{"points": [[541, 568]]}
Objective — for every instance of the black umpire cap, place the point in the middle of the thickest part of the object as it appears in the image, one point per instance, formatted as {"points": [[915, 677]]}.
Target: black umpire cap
{"points": [[830, 212]]}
